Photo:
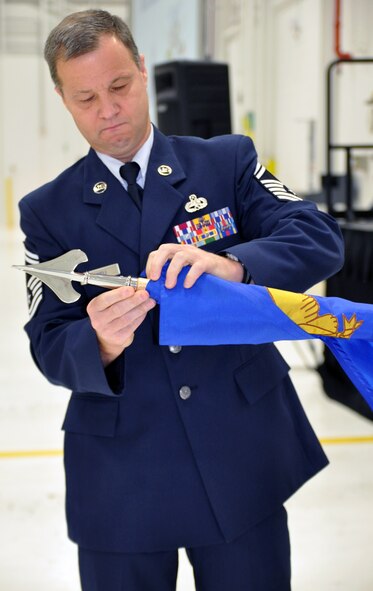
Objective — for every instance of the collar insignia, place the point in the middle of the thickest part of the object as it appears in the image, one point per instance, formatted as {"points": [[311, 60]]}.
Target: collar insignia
{"points": [[164, 170], [100, 187]]}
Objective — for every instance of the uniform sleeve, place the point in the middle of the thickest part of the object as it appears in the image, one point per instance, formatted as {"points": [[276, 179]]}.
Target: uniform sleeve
{"points": [[287, 242], [63, 343]]}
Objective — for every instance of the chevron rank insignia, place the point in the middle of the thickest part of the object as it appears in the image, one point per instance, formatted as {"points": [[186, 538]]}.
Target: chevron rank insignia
{"points": [[273, 185], [33, 284]]}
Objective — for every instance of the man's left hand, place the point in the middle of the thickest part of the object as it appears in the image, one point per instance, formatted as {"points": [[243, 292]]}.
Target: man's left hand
{"points": [[200, 261]]}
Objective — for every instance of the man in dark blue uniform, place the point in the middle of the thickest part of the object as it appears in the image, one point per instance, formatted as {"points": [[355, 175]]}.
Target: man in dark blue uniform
{"points": [[168, 447]]}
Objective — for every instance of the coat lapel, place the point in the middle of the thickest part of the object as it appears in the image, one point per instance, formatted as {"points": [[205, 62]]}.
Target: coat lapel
{"points": [[117, 214], [161, 199]]}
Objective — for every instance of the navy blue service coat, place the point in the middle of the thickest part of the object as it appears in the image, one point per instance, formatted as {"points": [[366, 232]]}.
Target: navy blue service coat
{"points": [[147, 468]]}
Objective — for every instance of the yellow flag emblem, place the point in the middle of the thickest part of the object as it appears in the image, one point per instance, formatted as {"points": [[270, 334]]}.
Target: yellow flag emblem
{"points": [[304, 310]]}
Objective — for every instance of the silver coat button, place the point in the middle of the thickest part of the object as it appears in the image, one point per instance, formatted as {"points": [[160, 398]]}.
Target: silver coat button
{"points": [[174, 349], [185, 392]]}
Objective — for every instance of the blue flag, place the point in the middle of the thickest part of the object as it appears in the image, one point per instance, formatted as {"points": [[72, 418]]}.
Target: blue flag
{"points": [[219, 312]]}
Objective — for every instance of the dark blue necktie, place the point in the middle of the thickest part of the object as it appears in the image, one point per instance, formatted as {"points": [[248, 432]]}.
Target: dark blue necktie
{"points": [[129, 173]]}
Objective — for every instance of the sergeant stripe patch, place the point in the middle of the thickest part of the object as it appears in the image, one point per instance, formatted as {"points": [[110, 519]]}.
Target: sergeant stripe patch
{"points": [[33, 284], [273, 185]]}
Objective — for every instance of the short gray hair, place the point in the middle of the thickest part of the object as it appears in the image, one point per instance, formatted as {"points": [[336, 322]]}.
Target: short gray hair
{"points": [[80, 32]]}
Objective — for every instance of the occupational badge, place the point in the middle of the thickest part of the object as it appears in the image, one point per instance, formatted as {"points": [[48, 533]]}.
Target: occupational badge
{"points": [[195, 203]]}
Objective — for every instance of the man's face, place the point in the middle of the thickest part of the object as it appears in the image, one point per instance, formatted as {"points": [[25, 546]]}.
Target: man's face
{"points": [[106, 94]]}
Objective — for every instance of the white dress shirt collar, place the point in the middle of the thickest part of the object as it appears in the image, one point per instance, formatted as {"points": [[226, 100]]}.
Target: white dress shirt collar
{"points": [[141, 157]]}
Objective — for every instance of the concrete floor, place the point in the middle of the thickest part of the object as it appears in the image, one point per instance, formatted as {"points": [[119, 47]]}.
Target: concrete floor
{"points": [[331, 518]]}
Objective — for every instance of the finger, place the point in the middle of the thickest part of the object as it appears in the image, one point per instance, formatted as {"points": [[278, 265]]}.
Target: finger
{"points": [[115, 328], [124, 338], [124, 306], [110, 297], [156, 264], [101, 316], [126, 332], [131, 315], [180, 260], [158, 258], [194, 273], [148, 266]]}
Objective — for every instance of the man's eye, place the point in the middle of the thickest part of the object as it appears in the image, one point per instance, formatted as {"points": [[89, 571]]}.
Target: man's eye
{"points": [[87, 100], [116, 88]]}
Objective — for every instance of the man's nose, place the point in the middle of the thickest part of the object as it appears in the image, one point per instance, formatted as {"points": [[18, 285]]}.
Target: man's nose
{"points": [[108, 106]]}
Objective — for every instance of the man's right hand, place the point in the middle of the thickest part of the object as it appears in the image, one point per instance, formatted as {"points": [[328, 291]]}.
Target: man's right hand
{"points": [[115, 315]]}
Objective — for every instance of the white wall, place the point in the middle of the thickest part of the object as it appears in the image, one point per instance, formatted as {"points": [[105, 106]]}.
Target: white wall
{"points": [[38, 138], [278, 51], [166, 30]]}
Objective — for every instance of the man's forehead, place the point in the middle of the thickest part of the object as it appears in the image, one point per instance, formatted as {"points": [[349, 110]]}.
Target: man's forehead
{"points": [[110, 53], [84, 76]]}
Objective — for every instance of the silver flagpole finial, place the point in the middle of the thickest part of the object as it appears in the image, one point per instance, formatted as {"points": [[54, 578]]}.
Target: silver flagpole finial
{"points": [[59, 273]]}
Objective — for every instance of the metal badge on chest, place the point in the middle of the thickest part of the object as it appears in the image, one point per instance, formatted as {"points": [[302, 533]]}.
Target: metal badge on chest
{"points": [[195, 203]]}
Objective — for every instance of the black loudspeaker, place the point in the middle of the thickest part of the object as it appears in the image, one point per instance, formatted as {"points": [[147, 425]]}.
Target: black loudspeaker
{"points": [[193, 98]]}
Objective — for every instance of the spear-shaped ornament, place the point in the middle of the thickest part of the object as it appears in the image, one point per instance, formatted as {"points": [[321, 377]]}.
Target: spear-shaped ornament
{"points": [[58, 274]]}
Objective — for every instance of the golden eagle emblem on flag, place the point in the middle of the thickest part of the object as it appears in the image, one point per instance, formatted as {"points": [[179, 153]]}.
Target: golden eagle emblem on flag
{"points": [[304, 310]]}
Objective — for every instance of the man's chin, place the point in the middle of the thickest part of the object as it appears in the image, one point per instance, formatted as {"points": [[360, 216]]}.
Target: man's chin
{"points": [[116, 148]]}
